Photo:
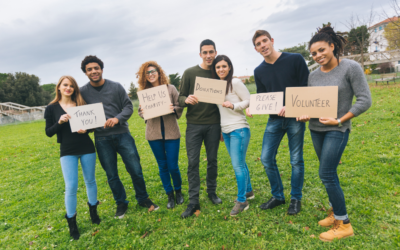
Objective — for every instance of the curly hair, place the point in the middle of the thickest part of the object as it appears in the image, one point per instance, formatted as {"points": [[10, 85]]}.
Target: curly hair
{"points": [[91, 59], [141, 74], [327, 34]]}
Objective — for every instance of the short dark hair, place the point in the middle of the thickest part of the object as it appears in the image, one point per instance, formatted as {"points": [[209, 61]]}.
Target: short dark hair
{"points": [[260, 33], [230, 74], [207, 42], [327, 34], [91, 59]]}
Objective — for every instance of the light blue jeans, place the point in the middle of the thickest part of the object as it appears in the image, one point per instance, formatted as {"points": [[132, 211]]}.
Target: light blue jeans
{"points": [[236, 143], [69, 165]]}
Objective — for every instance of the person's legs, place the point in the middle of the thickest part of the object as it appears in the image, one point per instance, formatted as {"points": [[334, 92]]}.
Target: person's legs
{"points": [[295, 132], [194, 139], [107, 152], [273, 135], [331, 151], [158, 148], [126, 147], [88, 162], [69, 166], [211, 143], [172, 154]]}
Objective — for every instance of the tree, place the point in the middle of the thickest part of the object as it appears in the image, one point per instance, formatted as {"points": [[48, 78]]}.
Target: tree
{"points": [[385, 67], [392, 35], [175, 79], [359, 35], [246, 81], [302, 50], [49, 92], [251, 79], [133, 92]]}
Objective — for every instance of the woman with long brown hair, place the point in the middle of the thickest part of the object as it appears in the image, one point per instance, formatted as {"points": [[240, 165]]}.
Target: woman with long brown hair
{"points": [[163, 132], [73, 147]]}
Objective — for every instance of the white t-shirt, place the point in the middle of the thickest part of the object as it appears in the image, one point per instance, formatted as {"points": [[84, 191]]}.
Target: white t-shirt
{"points": [[240, 98]]}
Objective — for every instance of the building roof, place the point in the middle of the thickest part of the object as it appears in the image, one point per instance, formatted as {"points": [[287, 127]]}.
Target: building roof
{"points": [[391, 19]]}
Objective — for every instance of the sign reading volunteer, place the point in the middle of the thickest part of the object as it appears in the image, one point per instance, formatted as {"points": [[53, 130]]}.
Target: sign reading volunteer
{"points": [[266, 103], [210, 90], [86, 117], [315, 102], [155, 102]]}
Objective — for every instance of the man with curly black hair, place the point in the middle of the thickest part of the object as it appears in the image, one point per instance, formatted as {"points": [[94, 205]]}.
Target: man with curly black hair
{"points": [[115, 136]]}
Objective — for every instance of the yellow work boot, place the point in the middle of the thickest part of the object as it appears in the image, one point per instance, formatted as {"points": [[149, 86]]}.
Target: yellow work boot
{"points": [[328, 221], [340, 230]]}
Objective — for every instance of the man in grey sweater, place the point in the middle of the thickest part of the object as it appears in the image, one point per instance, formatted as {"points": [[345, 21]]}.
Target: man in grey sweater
{"points": [[114, 137]]}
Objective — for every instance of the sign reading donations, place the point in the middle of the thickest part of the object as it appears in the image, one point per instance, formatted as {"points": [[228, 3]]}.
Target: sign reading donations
{"points": [[315, 102], [266, 103], [155, 102], [210, 90], [86, 117]]}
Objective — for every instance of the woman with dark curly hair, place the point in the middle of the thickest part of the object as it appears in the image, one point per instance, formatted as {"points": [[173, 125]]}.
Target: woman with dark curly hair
{"points": [[163, 132], [330, 135]]}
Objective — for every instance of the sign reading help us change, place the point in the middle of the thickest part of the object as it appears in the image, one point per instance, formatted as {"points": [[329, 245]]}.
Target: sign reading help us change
{"points": [[315, 102], [86, 117], [155, 102], [266, 103], [210, 90]]}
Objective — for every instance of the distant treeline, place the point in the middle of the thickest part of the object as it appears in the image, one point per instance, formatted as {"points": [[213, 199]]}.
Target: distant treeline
{"points": [[24, 89]]}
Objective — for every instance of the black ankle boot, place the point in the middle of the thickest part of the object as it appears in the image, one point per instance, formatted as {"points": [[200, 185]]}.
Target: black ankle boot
{"points": [[179, 197], [171, 200], [93, 213], [73, 228]]}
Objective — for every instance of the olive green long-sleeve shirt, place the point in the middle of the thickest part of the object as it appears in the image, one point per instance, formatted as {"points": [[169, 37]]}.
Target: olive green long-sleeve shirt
{"points": [[201, 113]]}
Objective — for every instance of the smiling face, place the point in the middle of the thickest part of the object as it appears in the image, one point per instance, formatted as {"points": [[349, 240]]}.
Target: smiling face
{"points": [[208, 54], [322, 52], [152, 75], [66, 88], [222, 69], [264, 45], [94, 72]]}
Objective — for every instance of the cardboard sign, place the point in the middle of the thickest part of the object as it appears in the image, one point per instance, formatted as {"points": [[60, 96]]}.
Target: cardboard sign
{"points": [[86, 117], [315, 102], [155, 102], [266, 103], [210, 90]]}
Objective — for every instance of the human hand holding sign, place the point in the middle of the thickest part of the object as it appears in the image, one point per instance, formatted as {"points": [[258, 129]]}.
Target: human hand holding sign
{"points": [[282, 112], [111, 122], [191, 99], [64, 118], [227, 104], [328, 121], [81, 131], [303, 118], [248, 113]]}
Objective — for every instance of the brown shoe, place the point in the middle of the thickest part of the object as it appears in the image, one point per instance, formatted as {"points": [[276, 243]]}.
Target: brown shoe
{"points": [[328, 221], [340, 230], [239, 207]]}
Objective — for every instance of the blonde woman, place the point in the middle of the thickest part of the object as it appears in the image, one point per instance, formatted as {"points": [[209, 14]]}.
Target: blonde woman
{"points": [[73, 147], [163, 132]]}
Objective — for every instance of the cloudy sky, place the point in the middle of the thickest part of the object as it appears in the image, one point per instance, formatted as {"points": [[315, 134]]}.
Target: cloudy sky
{"points": [[49, 38]]}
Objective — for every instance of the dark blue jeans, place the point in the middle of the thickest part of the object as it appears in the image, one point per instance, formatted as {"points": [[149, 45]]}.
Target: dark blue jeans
{"points": [[167, 155], [274, 132], [329, 147], [123, 144]]}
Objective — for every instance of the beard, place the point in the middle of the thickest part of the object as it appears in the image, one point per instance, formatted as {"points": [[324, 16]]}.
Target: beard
{"points": [[97, 81]]}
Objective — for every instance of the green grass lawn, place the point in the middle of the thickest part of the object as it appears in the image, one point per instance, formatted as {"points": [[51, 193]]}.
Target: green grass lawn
{"points": [[32, 194]]}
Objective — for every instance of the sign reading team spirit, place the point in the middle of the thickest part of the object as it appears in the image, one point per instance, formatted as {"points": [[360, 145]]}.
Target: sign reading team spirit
{"points": [[266, 103], [155, 102], [315, 102], [210, 90], [86, 117]]}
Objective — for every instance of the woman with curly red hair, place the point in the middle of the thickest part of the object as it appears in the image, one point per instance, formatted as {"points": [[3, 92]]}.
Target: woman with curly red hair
{"points": [[163, 132]]}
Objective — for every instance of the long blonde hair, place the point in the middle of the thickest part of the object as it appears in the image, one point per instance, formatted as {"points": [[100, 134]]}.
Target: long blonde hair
{"points": [[76, 96], [141, 74]]}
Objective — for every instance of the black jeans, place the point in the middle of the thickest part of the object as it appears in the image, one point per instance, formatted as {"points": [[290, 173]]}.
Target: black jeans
{"points": [[195, 135], [124, 144]]}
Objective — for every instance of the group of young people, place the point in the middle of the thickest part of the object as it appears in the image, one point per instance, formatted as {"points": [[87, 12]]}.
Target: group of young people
{"points": [[211, 123]]}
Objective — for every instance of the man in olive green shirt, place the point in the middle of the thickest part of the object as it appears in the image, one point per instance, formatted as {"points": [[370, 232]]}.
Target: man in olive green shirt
{"points": [[203, 124]]}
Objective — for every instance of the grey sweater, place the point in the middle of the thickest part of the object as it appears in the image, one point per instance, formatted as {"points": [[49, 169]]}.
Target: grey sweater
{"points": [[350, 78], [116, 104]]}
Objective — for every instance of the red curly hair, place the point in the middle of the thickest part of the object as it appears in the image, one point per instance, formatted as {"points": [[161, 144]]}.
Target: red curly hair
{"points": [[141, 74]]}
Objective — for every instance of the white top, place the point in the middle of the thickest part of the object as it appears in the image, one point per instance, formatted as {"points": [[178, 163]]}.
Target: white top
{"points": [[240, 98]]}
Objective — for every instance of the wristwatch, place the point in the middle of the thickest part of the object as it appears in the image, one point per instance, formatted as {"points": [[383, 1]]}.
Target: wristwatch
{"points": [[339, 123]]}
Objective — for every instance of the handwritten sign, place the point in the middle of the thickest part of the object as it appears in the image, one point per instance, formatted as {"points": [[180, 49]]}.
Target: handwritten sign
{"points": [[315, 102], [210, 90], [86, 117], [155, 101], [266, 103]]}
